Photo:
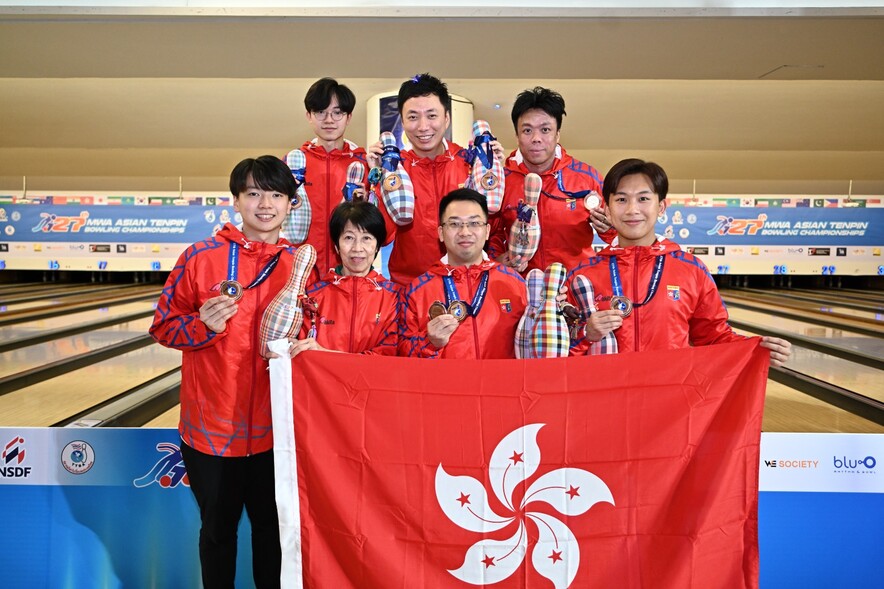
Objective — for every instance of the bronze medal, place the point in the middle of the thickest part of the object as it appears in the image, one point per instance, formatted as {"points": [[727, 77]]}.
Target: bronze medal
{"points": [[459, 310], [392, 182], [490, 181], [231, 289], [437, 309], [621, 304], [296, 201]]}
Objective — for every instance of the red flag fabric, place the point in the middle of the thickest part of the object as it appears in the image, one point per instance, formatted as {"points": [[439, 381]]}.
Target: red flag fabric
{"points": [[631, 470]]}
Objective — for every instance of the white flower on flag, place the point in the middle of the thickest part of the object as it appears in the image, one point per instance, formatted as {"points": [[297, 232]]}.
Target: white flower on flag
{"points": [[570, 491]]}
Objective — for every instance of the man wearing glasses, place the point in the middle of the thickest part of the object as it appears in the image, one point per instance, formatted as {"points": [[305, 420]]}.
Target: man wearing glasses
{"points": [[570, 205], [465, 306], [329, 110]]}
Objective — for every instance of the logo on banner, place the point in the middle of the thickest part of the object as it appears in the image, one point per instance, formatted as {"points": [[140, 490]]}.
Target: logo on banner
{"points": [[732, 226], [799, 464], [843, 464], [52, 223], [570, 491], [12, 457], [77, 457], [168, 471]]}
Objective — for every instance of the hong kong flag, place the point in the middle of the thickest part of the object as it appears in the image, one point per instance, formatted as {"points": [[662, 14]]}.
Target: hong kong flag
{"points": [[631, 470]]}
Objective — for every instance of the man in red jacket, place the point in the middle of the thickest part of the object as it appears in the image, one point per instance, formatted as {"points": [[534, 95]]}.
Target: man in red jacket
{"points": [[652, 295], [436, 167], [211, 309], [465, 306], [569, 206], [329, 111]]}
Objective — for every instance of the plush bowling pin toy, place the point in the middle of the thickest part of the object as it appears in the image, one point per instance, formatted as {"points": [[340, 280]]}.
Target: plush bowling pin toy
{"points": [[283, 316], [585, 295], [354, 189], [397, 191], [487, 176], [297, 223], [524, 235], [550, 338], [525, 329]]}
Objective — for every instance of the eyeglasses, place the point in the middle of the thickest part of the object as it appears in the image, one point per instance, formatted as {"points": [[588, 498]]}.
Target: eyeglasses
{"points": [[458, 225], [321, 115]]}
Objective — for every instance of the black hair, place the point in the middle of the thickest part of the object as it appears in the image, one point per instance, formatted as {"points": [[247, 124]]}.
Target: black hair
{"points": [[631, 166], [362, 214], [424, 85], [463, 194], [549, 101], [268, 172], [320, 94]]}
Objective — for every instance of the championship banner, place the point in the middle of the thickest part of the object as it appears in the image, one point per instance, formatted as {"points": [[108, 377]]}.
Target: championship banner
{"points": [[629, 470]]}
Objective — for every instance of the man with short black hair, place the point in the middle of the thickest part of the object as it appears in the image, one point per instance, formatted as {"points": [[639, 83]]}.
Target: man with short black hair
{"points": [[465, 306]]}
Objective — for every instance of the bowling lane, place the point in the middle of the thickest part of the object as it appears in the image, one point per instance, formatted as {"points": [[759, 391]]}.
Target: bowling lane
{"points": [[788, 410], [29, 328], [41, 354], [824, 302], [842, 338], [51, 401], [84, 297], [774, 302], [61, 292], [167, 419]]}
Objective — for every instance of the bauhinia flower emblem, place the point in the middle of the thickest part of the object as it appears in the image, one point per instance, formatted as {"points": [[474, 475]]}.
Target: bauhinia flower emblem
{"points": [[570, 491]]}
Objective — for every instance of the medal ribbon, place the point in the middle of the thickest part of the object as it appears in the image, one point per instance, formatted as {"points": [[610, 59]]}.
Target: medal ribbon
{"points": [[476, 304], [233, 266], [390, 158], [482, 149], [617, 286]]}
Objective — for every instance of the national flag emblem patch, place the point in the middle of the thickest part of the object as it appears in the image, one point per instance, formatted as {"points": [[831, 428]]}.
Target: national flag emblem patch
{"points": [[673, 292], [505, 305]]}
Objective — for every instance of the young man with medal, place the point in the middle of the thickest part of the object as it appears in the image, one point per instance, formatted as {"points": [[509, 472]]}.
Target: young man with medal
{"points": [[211, 309], [353, 308], [465, 306], [329, 107], [569, 208], [651, 294], [436, 167]]}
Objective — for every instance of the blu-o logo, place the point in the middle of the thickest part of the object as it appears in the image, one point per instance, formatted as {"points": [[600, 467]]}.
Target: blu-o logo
{"points": [[844, 462]]}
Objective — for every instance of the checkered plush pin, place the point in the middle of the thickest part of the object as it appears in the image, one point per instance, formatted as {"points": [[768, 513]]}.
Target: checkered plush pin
{"points": [[524, 235], [581, 286], [486, 176], [525, 329], [550, 338], [397, 191], [297, 223], [283, 316]]}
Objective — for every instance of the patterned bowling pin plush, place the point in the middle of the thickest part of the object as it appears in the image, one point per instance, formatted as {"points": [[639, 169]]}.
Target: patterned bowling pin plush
{"points": [[487, 176], [550, 338], [354, 189], [525, 329], [397, 191], [524, 235], [585, 295], [283, 317], [297, 223]]}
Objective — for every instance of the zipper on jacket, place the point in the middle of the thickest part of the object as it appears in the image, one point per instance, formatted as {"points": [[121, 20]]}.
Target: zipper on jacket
{"points": [[327, 210], [352, 313], [256, 343], [472, 315], [634, 295]]}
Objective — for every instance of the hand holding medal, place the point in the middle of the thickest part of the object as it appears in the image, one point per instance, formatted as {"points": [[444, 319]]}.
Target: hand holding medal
{"points": [[216, 311], [443, 321]]}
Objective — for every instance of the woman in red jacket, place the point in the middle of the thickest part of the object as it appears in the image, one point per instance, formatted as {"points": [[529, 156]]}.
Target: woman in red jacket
{"points": [[352, 308]]}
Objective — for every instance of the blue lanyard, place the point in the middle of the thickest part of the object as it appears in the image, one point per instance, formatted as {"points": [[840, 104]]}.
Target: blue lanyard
{"points": [[478, 299], [233, 266], [482, 149], [617, 285], [390, 158]]}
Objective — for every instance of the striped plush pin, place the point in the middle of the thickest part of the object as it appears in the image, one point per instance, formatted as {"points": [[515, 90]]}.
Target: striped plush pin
{"points": [[550, 338], [585, 295], [487, 175], [524, 235], [297, 223], [354, 189], [283, 316], [397, 191], [525, 329]]}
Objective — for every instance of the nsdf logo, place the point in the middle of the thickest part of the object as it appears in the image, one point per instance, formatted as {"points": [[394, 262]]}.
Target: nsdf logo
{"points": [[866, 465], [12, 458]]}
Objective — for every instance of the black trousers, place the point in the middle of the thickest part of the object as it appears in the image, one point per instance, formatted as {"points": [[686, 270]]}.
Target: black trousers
{"points": [[222, 487]]}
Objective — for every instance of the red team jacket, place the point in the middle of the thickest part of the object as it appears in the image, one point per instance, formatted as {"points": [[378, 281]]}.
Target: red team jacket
{"points": [[325, 177], [354, 314], [565, 233], [225, 387], [686, 310], [417, 245], [489, 335]]}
